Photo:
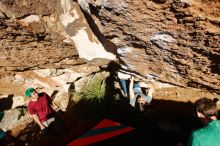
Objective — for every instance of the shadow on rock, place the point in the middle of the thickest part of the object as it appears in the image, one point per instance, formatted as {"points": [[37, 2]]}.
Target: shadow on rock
{"points": [[6, 103]]}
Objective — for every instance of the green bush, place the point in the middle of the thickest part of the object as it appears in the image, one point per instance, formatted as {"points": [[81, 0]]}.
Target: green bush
{"points": [[96, 99], [95, 88]]}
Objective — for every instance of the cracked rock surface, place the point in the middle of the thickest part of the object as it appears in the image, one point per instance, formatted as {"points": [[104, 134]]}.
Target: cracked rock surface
{"points": [[176, 40]]}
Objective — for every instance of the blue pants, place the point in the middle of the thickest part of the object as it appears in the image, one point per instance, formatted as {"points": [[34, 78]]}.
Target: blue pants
{"points": [[125, 86]]}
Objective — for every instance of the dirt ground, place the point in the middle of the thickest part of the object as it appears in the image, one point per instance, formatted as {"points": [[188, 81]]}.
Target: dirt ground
{"points": [[173, 108]]}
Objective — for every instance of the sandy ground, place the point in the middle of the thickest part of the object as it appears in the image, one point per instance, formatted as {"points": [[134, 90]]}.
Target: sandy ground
{"points": [[169, 102]]}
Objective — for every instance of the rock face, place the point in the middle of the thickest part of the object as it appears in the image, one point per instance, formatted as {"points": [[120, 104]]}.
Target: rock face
{"points": [[78, 30], [56, 45], [32, 41], [178, 41], [48, 44], [36, 34], [10, 118]]}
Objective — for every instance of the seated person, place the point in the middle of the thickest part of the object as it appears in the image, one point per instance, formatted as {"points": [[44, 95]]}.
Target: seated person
{"points": [[136, 97], [44, 113]]}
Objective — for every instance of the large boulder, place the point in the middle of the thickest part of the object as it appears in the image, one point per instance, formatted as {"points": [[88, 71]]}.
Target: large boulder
{"points": [[78, 30], [177, 41], [10, 119]]}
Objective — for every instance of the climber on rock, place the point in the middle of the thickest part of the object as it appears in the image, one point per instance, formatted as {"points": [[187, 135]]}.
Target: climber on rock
{"points": [[135, 95], [44, 112]]}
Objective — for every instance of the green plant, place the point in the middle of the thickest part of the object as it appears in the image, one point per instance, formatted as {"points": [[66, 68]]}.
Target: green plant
{"points": [[95, 88], [75, 96], [92, 103], [24, 110], [97, 97]]}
